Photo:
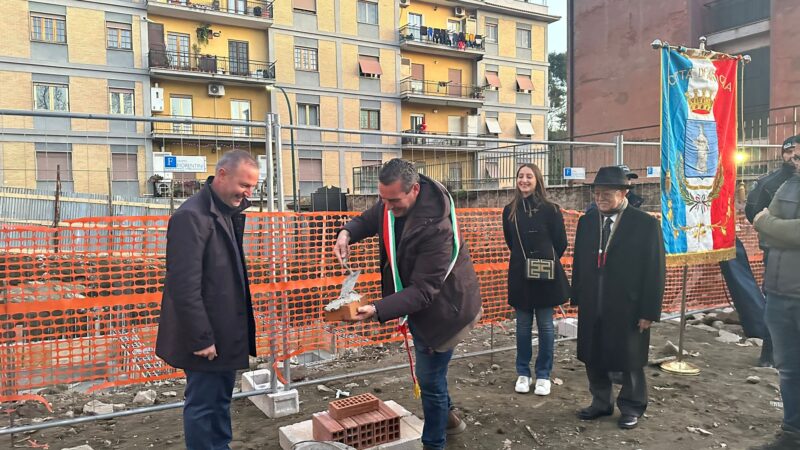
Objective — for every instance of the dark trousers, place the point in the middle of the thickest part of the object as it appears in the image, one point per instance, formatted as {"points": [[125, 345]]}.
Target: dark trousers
{"points": [[632, 398], [206, 412]]}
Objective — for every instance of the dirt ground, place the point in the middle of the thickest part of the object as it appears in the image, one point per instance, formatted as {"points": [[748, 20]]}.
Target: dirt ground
{"points": [[736, 413]]}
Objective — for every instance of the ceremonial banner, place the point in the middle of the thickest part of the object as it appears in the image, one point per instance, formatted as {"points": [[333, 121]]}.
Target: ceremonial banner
{"points": [[698, 146]]}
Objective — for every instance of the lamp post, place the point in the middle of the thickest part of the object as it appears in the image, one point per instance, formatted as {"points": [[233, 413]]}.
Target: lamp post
{"points": [[291, 142]]}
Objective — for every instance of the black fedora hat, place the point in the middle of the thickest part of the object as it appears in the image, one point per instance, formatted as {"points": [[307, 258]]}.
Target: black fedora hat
{"points": [[628, 173], [612, 176]]}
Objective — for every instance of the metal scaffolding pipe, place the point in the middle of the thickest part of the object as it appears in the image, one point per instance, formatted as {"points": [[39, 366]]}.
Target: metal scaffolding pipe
{"points": [[167, 406]]}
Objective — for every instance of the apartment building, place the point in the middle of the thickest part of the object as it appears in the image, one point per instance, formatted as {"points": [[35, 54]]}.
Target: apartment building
{"points": [[208, 59], [338, 61], [474, 68], [81, 57]]}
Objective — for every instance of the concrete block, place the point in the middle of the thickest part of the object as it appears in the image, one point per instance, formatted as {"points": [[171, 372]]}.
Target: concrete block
{"points": [[410, 432], [279, 404], [567, 327]]}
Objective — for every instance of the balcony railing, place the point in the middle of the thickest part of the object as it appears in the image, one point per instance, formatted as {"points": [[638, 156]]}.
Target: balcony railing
{"points": [[439, 139], [252, 8], [410, 86], [189, 131], [441, 37], [720, 15], [187, 62]]}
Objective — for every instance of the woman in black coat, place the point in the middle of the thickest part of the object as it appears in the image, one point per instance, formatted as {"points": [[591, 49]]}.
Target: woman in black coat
{"points": [[534, 228]]}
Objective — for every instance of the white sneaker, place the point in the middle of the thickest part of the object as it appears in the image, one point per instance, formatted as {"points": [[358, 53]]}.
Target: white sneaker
{"points": [[523, 385], [542, 387]]}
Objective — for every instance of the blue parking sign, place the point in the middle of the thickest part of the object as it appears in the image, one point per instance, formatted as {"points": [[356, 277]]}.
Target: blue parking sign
{"points": [[170, 162], [567, 172]]}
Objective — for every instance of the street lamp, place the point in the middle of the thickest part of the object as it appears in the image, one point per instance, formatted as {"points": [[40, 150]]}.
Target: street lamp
{"points": [[270, 87]]}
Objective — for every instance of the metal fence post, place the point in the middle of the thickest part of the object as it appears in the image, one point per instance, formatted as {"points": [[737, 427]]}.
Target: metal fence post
{"points": [[619, 153], [279, 162], [269, 179]]}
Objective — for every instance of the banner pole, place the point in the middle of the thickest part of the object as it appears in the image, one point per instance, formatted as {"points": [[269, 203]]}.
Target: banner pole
{"points": [[679, 366]]}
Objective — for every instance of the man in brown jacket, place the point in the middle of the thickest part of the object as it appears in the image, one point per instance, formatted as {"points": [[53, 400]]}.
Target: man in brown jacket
{"points": [[427, 275], [206, 326]]}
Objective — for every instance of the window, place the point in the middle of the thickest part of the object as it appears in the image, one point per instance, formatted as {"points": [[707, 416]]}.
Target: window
{"points": [[305, 59], [240, 110], [309, 174], [369, 66], [523, 38], [51, 97], [308, 114], [370, 119], [239, 55], [121, 101], [524, 127], [48, 162], [305, 5], [493, 126], [491, 32], [124, 167], [181, 107], [524, 83], [178, 50], [48, 28], [454, 25], [416, 122], [118, 35], [492, 169], [492, 80], [367, 12]]}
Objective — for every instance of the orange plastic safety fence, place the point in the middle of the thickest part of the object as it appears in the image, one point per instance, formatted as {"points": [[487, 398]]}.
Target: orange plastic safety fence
{"points": [[81, 302]]}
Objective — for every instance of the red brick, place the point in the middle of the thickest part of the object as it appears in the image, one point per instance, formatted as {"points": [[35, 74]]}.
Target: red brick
{"points": [[347, 407], [367, 429], [345, 312], [324, 428]]}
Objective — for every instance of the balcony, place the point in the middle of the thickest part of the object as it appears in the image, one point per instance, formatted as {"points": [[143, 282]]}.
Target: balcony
{"points": [[255, 14], [222, 134], [206, 68], [440, 140], [442, 93], [435, 41]]}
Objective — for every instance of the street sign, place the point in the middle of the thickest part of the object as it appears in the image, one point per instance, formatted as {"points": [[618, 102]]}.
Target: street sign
{"points": [[193, 164], [653, 171], [574, 173]]}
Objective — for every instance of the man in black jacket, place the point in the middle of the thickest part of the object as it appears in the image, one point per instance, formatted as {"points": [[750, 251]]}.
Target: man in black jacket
{"points": [[766, 186], [207, 326], [618, 278], [427, 275]]}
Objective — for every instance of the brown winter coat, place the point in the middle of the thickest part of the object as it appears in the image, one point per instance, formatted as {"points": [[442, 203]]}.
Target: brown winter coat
{"points": [[437, 308], [206, 293]]}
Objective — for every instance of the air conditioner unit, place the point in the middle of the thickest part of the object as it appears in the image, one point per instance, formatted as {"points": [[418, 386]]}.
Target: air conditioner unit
{"points": [[216, 90], [458, 11], [404, 3], [157, 99]]}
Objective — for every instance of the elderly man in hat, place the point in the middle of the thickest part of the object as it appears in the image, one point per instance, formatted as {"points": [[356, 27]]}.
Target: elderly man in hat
{"points": [[617, 284], [633, 199]]}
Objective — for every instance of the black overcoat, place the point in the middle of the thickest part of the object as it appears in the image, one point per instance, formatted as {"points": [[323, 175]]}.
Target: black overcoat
{"points": [[633, 288], [544, 237], [206, 296]]}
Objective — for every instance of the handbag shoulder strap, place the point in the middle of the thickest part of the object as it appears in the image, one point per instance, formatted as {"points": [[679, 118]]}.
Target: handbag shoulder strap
{"points": [[522, 246]]}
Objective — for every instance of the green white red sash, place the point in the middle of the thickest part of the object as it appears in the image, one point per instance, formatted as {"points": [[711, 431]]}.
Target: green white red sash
{"points": [[391, 253]]}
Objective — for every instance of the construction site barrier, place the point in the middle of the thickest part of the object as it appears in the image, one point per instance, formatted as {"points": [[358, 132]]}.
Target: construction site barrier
{"points": [[80, 303]]}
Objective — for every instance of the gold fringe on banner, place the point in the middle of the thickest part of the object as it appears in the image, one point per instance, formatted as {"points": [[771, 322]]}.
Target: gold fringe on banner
{"points": [[695, 259]]}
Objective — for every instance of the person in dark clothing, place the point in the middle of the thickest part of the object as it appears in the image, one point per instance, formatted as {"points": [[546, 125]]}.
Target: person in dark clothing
{"points": [[533, 227], [426, 275], [766, 187], [207, 327], [618, 279]]}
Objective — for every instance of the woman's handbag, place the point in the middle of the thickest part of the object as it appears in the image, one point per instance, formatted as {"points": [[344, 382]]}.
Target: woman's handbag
{"points": [[537, 268]]}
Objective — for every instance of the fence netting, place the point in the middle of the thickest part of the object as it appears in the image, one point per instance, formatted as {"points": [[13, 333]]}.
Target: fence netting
{"points": [[80, 303]]}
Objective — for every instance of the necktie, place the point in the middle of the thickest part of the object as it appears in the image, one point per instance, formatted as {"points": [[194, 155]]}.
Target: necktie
{"points": [[606, 233]]}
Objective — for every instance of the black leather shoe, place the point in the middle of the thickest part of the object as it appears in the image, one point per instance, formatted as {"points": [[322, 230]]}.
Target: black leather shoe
{"points": [[592, 413], [628, 422]]}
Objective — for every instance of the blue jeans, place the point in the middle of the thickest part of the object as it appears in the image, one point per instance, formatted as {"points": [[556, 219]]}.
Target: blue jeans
{"points": [[431, 369], [783, 319], [544, 359], [206, 412]]}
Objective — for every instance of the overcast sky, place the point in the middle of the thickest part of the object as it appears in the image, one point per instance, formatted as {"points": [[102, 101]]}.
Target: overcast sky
{"points": [[557, 32]]}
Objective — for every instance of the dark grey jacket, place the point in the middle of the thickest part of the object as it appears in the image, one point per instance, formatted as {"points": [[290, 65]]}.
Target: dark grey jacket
{"points": [[206, 291], [780, 232]]}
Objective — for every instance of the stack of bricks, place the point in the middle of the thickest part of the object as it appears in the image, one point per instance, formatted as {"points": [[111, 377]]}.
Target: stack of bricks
{"points": [[360, 421]]}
